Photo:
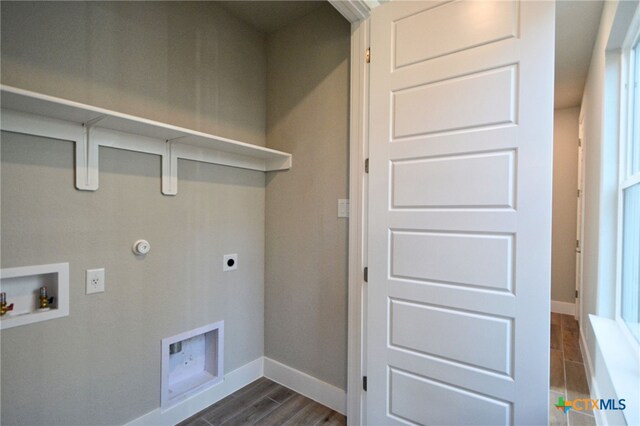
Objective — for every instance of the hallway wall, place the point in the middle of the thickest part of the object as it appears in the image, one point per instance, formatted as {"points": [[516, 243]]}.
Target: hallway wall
{"points": [[565, 186]]}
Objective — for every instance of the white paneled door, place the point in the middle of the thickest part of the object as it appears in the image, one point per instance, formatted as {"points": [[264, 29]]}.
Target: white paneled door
{"points": [[461, 119]]}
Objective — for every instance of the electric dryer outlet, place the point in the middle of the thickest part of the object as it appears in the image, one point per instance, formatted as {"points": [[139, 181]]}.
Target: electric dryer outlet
{"points": [[230, 262]]}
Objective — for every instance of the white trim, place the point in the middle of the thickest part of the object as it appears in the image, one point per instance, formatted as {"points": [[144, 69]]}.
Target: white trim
{"points": [[233, 381], [355, 10], [357, 220], [580, 218], [591, 377], [563, 308], [322, 392], [626, 62], [619, 363], [588, 364]]}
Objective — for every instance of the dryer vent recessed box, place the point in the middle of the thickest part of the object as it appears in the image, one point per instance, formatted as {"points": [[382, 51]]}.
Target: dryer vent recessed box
{"points": [[191, 362]]}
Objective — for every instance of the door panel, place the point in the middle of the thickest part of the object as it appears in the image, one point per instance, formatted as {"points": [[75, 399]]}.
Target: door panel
{"points": [[437, 257], [483, 99], [481, 332], [461, 113], [421, 400], [492, 185], [474, 24]]}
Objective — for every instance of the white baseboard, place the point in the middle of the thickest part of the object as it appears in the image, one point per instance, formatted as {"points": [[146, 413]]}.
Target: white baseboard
{"points": [[233, 381], [324, 393], [563, 308], [588, 365], [614, 369], [591, 377]]}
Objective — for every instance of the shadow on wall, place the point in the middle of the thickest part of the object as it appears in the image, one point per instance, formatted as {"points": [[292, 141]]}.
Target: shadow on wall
{"points": [[191, 64]]}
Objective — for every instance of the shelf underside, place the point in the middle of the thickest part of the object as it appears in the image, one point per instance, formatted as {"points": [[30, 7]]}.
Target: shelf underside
{"points": [[91, 127]]}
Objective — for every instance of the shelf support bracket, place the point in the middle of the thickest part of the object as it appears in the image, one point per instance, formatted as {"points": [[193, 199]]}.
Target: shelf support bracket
{"points": [[170, 168], [87, 158], [36, 114]]}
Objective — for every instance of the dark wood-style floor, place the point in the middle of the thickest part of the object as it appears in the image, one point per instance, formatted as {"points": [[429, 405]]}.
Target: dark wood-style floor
{"points": [[267, 403], [568, 378]]}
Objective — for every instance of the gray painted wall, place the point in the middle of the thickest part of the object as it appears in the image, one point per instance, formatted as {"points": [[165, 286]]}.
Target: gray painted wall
{"points": [[101, 364], [565, 186], [190, 64], [184, 63], [306, 243], [193, 65]]}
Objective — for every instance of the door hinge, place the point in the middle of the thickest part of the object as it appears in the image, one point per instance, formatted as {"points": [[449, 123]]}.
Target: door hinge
{"points": [[364, 383], [366, 274], [578, 193], [366, 165], [576, 294], [367, 55], [577, 244]]}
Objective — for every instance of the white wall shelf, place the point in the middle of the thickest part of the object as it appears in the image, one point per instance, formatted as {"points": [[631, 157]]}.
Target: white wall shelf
{"points": [[90, 127], [195, 365], [22, 288]]}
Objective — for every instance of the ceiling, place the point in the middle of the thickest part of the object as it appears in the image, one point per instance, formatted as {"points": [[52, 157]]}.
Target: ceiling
{"points": [[576, 29], [269, 16]]}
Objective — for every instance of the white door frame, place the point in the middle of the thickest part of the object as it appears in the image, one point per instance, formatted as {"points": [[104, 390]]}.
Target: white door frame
{"points": [[357, 12], [580, 220], [358, 152]]}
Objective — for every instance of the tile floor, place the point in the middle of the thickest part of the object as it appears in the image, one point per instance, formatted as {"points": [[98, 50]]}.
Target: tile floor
{"points": [[266, 403], [568, 378]]}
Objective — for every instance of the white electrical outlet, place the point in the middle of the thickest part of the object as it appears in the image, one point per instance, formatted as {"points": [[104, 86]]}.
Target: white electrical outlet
{"points": [[230, 262], [95, 281]]}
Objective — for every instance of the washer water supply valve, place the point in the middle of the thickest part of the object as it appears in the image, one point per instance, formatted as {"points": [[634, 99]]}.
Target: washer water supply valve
{"points": [[3, 304], [141, 247], [45, 301]]}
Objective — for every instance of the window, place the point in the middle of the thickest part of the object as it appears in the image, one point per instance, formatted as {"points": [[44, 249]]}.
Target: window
{"points": [[629, 193]]}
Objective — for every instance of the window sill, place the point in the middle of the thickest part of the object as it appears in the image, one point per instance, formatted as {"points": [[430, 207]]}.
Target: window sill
{"points": [[622, 362]]}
